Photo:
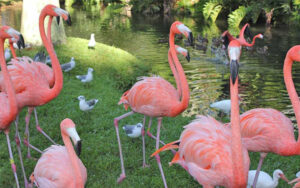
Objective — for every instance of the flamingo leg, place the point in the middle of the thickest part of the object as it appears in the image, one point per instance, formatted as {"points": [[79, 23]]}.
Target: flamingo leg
{"points": [[152, 136], [11, 158], [17, 139], [26, 139], [39, 128], [144, 148], [262, 157], [116, 120], [157, 156]]}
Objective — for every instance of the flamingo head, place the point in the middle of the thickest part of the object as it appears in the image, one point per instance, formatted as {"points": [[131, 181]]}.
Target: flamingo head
{"points": [[183, 51], [67, 127], [124, 100], [53, 10], [12, 35], [279, 174], [260, 36], [234, 52], [179, 28]]}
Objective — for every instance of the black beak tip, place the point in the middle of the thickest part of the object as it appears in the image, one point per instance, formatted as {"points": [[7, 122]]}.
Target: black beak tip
{"points": [[234, 71], [69, 22], [78, 148], [21, 43], [191, 38], [188, 57], [57, 19]]}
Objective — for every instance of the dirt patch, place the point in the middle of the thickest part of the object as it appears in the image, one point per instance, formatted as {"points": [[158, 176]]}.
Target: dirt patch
{"points": [[5, 4]]}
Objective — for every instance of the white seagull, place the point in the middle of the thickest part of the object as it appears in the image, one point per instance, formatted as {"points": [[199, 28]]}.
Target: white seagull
{"points": [[66, 67], [86, 105], [133, 131], [86, 78], [7, 54], [265, 180], [92, 42]]}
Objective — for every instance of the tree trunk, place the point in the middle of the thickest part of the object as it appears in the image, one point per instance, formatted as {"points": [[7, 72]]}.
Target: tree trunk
{"points": [[30, 23], [269, 16]]}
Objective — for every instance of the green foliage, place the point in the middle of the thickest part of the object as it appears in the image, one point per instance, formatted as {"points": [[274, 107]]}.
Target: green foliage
{"points": [[254, 11], [211, 10], [235, 17], [147, 6]]}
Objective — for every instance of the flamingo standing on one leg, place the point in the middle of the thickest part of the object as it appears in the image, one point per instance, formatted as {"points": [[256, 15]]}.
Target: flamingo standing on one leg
{"points": [[155, 97], [268, 130], [32, 84], [211, 152], [59, 166], [8, 102]]}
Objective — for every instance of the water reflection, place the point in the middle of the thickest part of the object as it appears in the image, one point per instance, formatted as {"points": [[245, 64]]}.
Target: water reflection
{"points": [[261, 77]]}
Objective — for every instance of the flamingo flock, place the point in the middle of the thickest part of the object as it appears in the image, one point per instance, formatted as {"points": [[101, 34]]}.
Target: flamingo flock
{"points": [[213, 153]]}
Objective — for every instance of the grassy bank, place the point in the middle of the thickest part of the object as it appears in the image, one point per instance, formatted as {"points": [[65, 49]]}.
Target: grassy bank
{"points": [[114, 71]]}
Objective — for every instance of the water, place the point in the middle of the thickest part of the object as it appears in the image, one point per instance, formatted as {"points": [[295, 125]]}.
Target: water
{"points": [[261, 77]]}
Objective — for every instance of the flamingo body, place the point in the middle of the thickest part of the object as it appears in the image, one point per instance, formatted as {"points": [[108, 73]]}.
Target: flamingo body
{"points": [[5, 112], [268, 130], [54, 169], [154, 97]]}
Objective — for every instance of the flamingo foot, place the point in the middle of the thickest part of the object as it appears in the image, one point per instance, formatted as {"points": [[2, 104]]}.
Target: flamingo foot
{"points": [[145, 165], [121, 178]]}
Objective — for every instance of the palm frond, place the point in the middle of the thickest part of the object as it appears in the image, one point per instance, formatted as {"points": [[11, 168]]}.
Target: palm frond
{"points": [[214, 14], [235, 17], [208, 8]]}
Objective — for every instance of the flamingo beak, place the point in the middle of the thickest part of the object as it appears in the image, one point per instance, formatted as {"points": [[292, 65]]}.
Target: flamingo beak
{"points": [[57, 19], [191, 38], [78, 148], [294, 180], [234, 70], [69, 22], [282, 176], [188, 57]]}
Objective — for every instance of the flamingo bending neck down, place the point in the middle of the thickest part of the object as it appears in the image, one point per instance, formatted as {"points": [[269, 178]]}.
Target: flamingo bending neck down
{"points": [[211, 152], [61, 162], [8, 102], [32, 82], [155, 97]]}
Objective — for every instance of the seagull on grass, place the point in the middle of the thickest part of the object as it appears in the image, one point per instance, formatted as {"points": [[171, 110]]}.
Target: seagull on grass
{"points": [[66, 67], [92, 42], [133, 131], [86, 78], [86, 105]]}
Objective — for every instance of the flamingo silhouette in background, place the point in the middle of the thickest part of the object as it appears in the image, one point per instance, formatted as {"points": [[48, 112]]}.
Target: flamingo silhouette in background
{"points": [[33, 86], [227, 37], [155, 97], [268, 130], [8, 102], [211, 152], [59, 166]]}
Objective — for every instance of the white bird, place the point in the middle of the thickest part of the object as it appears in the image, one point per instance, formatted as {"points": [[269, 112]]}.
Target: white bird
{"points": [[92, 42], [7, 54], [223, 105], [86, 78], [298, 174], [265, 180], [86, 105], [66, 67], [16, 46], [133, 131]]}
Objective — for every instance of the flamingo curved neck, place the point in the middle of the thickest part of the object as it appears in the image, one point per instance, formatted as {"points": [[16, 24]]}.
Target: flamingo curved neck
{"points": [[288, 79], [13, 107], [236, 146], [245, 43], [180, 79], [74, 160], [55, 63], [175, 73]]}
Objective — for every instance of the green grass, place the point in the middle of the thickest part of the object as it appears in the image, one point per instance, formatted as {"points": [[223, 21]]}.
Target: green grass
{"points": [[115, 71]]}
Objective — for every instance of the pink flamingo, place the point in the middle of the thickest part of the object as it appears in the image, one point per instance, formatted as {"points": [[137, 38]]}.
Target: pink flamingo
{"points": [[297, 181], [211, 152], [268, 130], [8, 102], [227, 37], [59, 166], [33, 80], [155, 97]]}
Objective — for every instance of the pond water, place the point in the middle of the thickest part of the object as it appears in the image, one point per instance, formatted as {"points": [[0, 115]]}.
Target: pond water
{"points": [[261, 77]]}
